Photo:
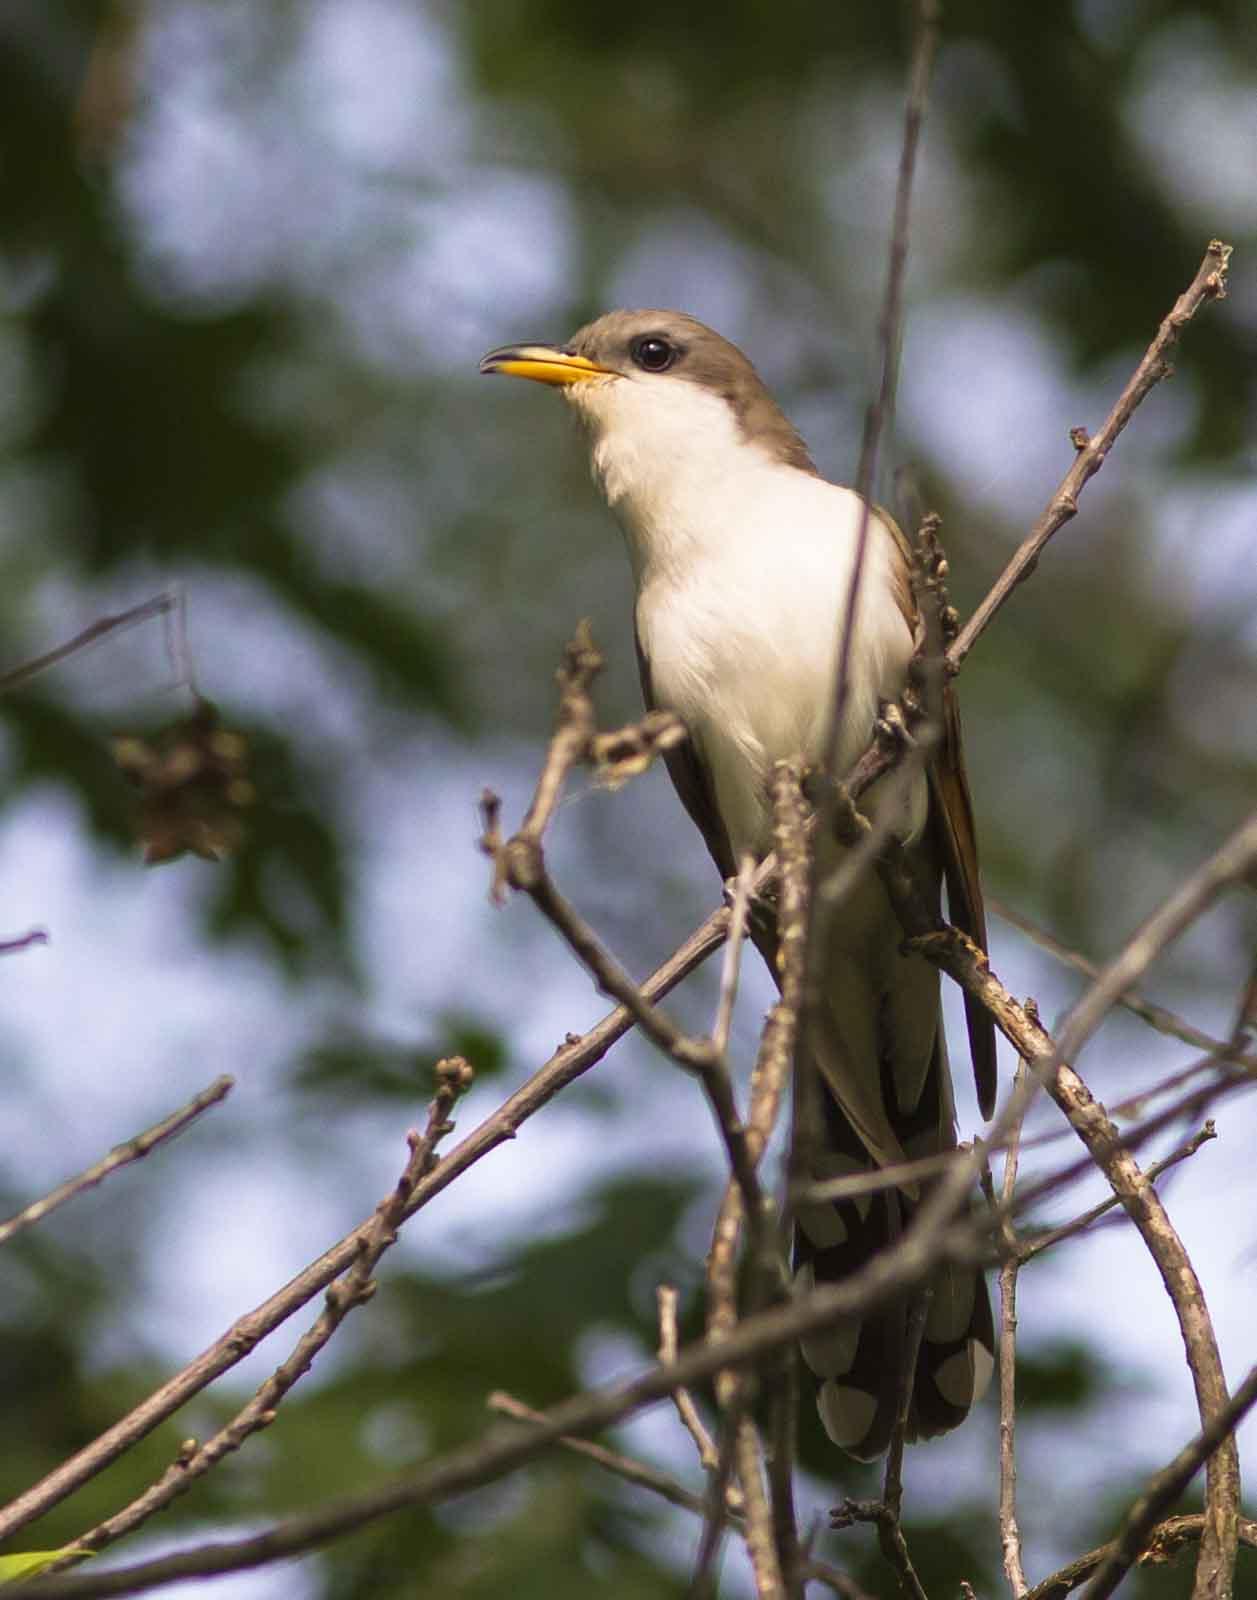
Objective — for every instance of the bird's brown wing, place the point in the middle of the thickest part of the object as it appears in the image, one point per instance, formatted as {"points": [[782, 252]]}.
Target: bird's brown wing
{"points": [[691, 780], [952, 814], [955, 838]]}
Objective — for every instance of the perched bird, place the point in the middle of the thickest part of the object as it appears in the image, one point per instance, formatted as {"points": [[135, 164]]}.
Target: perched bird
{"points": [[742, 555]]}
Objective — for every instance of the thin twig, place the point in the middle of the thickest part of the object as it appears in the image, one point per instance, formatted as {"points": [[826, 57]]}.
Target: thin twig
{"points": [[877, 419], [774, 1064], [858, 1184], [1010, 1532], [632, 1471], [23, 941], [739, 909], [822, 901], [120, 1156], [644, 1476], [691, 1421], [158, 606], [519, 864], [1156, 1016], [702, 1584], [1164, 1544], [354, 1289], [1186, 1108], [768, 1080], [582, 662], [574, 1058], [914, 1330], [779, 1450], [740, 1453], [1027, 1249], [761, 1540], [1245, 1027], [1164, 1489], [935, 1235], [1208, 284], [1048, 1058]]}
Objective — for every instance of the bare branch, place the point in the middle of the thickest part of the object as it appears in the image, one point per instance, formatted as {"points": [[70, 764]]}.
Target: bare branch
{"points": [[703, 1579], [453, 1077], [1245, 1027], [924, 48], [779, 1451], [635, 1472], [739, 910], [644, 1476], [1027, 1249], [1208, 284], [519, 864], [873, 1182], [970, 967], [934, 1235], [1156, 1016], [771, 1524], [160, 605], [691, 1421], [761, 1541], [1164, 1489], [1010, 1532], [574, 1058], [120, 1156], [1167, 1539], [582, 662]]}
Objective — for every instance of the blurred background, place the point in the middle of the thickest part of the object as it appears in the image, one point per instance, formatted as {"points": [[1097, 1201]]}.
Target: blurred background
{"points": [[249, 257]]}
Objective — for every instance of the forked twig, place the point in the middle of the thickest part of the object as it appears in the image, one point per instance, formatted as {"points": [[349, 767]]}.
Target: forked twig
{"points": [[354, 1289]]}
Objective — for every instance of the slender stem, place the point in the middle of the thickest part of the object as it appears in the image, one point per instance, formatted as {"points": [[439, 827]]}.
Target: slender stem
{"points": [[1165, 1488], [120, 1156], [1027, 1249], [1208, 284], [354, 1289], [1156, 1016], [1010, 1532], [733, 956], [159, 605]]}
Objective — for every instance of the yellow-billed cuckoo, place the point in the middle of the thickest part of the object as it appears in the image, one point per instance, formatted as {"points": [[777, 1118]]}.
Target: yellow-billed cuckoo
{"points": [[742, 556]]}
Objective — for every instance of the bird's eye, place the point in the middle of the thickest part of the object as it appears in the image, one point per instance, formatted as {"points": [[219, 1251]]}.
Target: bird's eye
{"points": [[653, 354]]}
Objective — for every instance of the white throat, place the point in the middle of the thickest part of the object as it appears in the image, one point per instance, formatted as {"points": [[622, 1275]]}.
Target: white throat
{"points": [[667, 455]]}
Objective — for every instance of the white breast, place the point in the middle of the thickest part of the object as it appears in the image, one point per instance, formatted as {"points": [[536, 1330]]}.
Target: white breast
{"points": [[743, 643], [742, 567]]}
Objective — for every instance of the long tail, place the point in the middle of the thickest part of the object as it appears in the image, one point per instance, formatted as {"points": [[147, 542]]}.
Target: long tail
{"points": [[858, 1362]]}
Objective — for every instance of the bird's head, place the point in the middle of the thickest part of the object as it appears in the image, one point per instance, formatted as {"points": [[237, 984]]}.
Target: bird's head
{"points": [[659, 392]]}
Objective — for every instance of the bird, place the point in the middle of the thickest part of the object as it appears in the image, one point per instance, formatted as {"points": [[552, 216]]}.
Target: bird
{"points": [[741, 556]]}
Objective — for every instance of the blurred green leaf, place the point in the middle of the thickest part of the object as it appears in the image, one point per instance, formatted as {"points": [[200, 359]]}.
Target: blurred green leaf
{"points": [[353, 1065], [1061, 1376], [29, 1562]]}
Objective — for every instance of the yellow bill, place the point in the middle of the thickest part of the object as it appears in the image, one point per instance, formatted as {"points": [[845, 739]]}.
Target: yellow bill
{"points": [[542, 363]]}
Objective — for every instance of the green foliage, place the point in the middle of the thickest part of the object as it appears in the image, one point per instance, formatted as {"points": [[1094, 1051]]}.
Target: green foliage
{"points": [[352, 1065], [1060, 1377], [14, 1568], [50, 743], [289, 413]]}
